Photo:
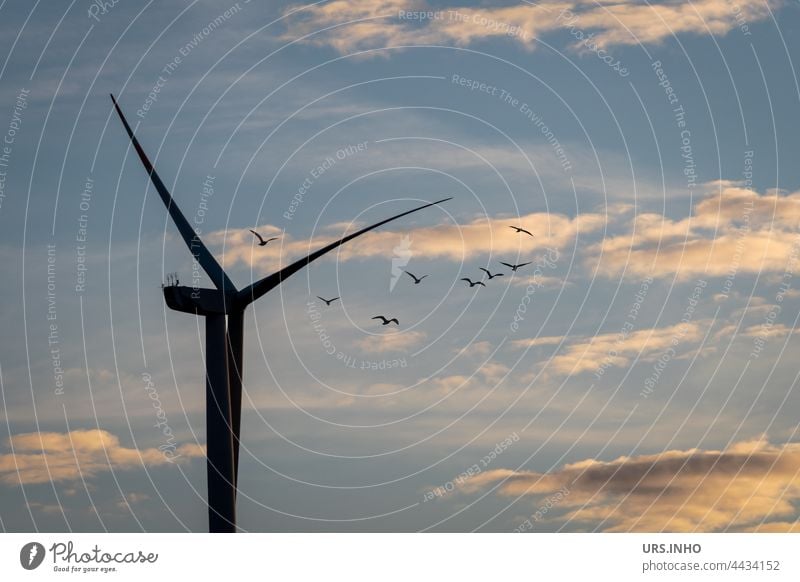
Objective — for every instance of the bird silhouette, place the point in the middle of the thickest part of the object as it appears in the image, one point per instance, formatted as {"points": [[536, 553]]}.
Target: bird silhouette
{"points": [[327, 301], [261, 241], [417, 280], [473, 283], [514, 267], [386, 321], [490, 275], [518, 229]]}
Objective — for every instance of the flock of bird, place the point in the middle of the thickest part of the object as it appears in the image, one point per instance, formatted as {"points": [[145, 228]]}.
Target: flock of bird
{"points": [[417, 280]]}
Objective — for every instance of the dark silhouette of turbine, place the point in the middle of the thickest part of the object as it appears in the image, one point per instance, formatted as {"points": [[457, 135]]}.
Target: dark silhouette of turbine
{"points": [[223, 308]]}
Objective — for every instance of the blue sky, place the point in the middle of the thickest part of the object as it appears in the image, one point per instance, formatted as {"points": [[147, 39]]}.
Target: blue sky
{"points": [[636, 376]]}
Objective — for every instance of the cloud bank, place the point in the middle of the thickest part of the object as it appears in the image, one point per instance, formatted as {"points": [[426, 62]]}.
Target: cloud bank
{"points": [[732, 230], [751, 485]]}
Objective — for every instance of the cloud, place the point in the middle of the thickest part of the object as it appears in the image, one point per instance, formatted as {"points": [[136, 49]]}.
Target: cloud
{"points": [[549, 340], [629, 22], [775, 527], [378, 23], [47, 508], [732, 230], [455, 242], [486, 377], [366, 24], [391, 342], [593, 354], [476, 349], [752, 485], [774, 331], [54, 456], [541, 282], [132, 499]]}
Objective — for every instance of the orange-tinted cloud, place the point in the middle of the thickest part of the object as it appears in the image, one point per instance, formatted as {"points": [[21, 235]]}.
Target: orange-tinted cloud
{"points": [[454, 242], [752, 485], [366, 24], [733, 230], [54, 456], [591, 354]]}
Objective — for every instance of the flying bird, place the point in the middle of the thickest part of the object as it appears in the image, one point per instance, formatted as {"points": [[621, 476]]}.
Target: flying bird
{"points": [[490, 275], [261, 241], [473, 283], [518, 229], [327, 301], [515, 267], [386, 321], [417, 280]]}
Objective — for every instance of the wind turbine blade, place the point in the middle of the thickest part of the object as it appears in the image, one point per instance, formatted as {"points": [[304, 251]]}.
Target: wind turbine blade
{"points": [[257, 289], [196, 246]]}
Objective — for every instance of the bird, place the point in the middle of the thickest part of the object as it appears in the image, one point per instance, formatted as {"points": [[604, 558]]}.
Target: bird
{"points": [[327, 301], [386, 321], [473, 283], [518, 229], [417, 280], [490, 275], [515, 267], [261, 241]]}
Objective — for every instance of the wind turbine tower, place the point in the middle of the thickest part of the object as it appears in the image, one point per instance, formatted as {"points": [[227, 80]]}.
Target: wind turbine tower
{"points": [[224, 307]]}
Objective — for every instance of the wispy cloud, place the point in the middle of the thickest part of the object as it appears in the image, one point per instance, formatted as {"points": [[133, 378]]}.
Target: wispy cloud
{"points": [[391, 342], [455, 242], [476, 349], [368, 24], [55, 456], [617, 350]]}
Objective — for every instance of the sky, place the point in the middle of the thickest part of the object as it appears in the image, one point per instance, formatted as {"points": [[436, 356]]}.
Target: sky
{"points": [[636, 375]]}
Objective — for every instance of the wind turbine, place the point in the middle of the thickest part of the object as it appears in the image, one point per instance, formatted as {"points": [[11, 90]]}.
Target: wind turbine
{"points": [[223, 309]]}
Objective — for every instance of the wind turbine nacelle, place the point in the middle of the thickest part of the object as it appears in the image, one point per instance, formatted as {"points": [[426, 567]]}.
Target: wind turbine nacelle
{"points": [[199, 301]]}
